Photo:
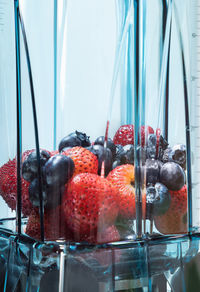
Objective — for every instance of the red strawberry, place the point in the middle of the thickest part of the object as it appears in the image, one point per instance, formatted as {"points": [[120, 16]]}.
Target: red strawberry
{"points": [[89, 204], [123, 177], [54, 225], [109, 234], [124, 135], [145, 131], [174, 221], [84, 160], [8, 186]]}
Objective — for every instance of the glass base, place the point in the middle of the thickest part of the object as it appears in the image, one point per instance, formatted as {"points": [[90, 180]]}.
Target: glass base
{"points": [[152, 264]]}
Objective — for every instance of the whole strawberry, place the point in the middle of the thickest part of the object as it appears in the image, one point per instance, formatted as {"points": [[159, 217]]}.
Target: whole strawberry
{"points": [[124, 135], [89, 205], [123, 177], [174, 221], [54, 225], [8, 186], [84, 160]]}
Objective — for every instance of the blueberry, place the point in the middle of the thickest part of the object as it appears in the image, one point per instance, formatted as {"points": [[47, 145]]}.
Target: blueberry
{"points": [[167, 155], [85, 140], [125, 154], [69, 141], [58, 170], [162, 199], [151, 146], [163, 144], [103, 154], [74, 139], [129, 153], [158, 200], [116, 163], [150, 197], [179, 154], [152, 171], [34, 193], [110, 144], [172, 176], [120, 154], [30, 165], [52, 195]]}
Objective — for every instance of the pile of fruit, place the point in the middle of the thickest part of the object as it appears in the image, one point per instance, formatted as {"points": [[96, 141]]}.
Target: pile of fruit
{"points": [[88, 189]]}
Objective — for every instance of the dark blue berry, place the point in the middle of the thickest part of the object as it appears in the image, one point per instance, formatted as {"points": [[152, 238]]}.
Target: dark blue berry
{"points": [[125, 154], [150, 197], [34, 193], [85, 140], [116, 163], [74, 139], [152, 171], [176, 154], [58, 170], [120, 154], [109, 144], [69, 141], [162, 199], [163, 144], [52, 195], [129, 153], [103, 154], [158, 200], [151, 146], [179, 154], [30, 165], [172, 176]]}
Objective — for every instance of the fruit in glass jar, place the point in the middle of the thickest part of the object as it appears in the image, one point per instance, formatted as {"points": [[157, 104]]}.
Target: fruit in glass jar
{"points": [[172, 176], [123, 178], [74, 139], [58, 170], [174, 221], [30, 164], [89, 204], [109, 144], [84, 160], [8, 186], [124, 135], [103, 155]]}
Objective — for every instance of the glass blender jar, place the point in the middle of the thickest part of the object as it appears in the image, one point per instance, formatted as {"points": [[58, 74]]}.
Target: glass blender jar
{"points": [[100, 125]]}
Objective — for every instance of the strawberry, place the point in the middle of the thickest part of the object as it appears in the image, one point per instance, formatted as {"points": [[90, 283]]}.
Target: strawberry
{"points": [[123, 177], [124, 135], [174, 221], [84, 160], [8, 186], [54, 225], [89, 204], [145, 131], [109, 234]]}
